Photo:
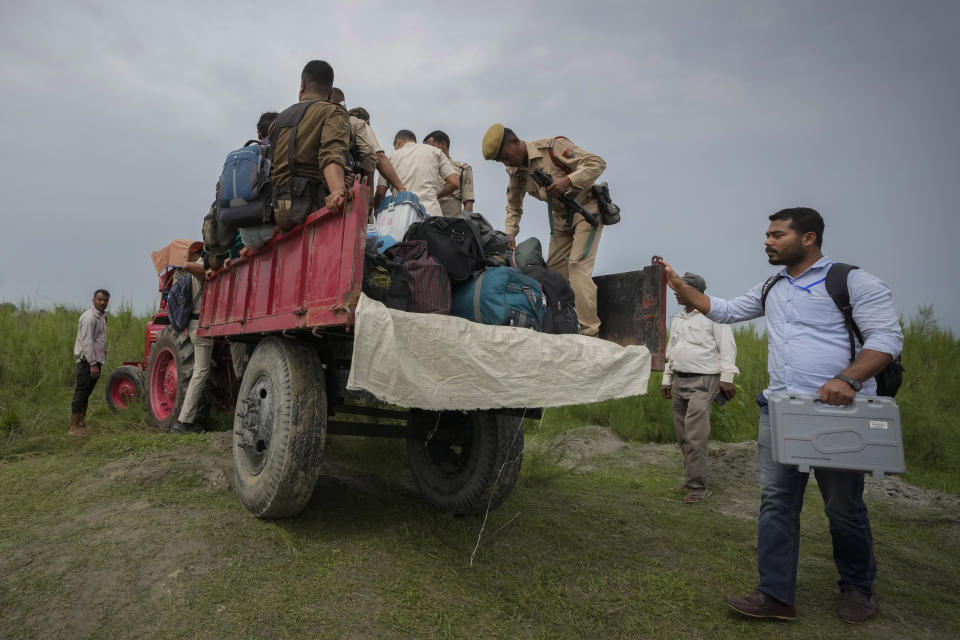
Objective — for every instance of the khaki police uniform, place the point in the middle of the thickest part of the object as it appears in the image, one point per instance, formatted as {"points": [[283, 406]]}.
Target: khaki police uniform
{"points": [[452, 205], [573, 250], [323, 138], [367, 144]]}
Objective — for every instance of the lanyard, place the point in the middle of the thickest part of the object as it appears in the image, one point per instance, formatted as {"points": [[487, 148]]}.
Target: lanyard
{"points": [[809, 286]]}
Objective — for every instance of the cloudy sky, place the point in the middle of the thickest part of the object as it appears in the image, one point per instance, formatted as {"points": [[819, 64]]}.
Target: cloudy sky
{"points": [[710, 115]]}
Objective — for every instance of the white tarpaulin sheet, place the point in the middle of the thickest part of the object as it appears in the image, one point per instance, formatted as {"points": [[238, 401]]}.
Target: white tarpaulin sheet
{"points": [[438, 362]]}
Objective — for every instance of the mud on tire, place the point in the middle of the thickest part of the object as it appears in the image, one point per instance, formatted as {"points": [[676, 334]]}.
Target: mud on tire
{"points": [[279, 429], [471, 462], [167, 377]]}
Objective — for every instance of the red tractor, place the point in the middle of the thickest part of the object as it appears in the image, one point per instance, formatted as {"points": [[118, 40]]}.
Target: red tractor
{"points": [[162, 377]]}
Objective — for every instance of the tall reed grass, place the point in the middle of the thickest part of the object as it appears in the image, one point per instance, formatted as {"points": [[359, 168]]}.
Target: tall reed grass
{"points": [[929, 403], [37, 378]]}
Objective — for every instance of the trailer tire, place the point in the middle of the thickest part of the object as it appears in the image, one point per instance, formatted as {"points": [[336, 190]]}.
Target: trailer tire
{"points": [[124, 385], [168, 374], [279, 429], [470, 463]]}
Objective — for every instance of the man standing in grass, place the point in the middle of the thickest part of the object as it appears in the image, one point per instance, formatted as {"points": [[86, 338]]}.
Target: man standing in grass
{"points": [[90, 352], [810, 353], [701, 362]]}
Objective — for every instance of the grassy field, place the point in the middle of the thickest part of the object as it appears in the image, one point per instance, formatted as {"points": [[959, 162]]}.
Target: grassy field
{"points": [[134, 534]]}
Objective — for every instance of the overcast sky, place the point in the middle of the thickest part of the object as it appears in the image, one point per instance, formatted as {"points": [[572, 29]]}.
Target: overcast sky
{"points": [[710, 115]]}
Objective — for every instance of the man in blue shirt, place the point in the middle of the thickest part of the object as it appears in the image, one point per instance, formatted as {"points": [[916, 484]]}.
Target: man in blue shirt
{"points": [[809, 352]]}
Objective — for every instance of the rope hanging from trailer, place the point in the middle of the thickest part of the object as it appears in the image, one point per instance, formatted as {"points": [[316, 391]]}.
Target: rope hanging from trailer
{"points": [[493, 492]]}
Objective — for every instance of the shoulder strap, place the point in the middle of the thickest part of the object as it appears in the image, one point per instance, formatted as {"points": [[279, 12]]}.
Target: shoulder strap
{"points": [[290, 119], [772, 280], [477, 314], [560, 166], [459, 191], [839, 291]]}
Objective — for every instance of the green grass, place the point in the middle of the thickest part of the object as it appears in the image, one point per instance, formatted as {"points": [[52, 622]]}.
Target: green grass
{"points": [[37, 377], [608, 553], [125, 535]]}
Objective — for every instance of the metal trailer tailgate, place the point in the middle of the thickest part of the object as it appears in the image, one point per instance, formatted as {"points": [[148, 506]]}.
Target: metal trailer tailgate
{"points": [[862, 436], [633, 310]]}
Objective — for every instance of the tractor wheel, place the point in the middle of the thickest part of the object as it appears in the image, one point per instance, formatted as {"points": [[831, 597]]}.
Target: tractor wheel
{"points": [[469, 461], [279, 428], [167, 377], [124, 385]]}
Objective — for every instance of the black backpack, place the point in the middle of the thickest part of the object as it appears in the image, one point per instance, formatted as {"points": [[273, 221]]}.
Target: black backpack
{"points": [[385, 280], [888, 380], [561, 313], [495, 243], [454, 242]]}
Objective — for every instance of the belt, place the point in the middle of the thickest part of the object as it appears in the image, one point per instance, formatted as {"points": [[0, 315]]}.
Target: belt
{"points": [[684, 374], [194, 316]]}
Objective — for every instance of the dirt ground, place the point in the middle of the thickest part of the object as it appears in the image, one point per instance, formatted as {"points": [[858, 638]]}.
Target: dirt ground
{"points": [[170, 530], [582, 450]]}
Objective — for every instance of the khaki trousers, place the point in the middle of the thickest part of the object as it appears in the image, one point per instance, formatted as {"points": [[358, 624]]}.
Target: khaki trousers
{"points": [[572, 253], [202, 355], [692, 398]]}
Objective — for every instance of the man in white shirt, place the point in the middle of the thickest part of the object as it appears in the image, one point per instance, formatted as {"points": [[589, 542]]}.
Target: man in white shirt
{"points": [[422, 169], [90, 352], [701, 363]]}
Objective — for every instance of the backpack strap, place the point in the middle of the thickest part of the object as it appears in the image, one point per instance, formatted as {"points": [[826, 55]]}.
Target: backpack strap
{"points": [[765, 289], [477, 315], [560, 166], [290, 119], [839, 291], [463, 169]]}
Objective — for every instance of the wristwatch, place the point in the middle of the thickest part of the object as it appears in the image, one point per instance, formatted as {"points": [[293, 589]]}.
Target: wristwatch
{"points": [[856, 384]]}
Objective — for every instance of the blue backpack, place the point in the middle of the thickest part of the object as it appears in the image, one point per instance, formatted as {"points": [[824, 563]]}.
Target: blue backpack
{"points": [[501, 296], [180, 302], [243, 193]]}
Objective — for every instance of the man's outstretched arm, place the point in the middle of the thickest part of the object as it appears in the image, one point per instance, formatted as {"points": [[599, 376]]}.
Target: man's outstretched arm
{"points": [[690, 295]]}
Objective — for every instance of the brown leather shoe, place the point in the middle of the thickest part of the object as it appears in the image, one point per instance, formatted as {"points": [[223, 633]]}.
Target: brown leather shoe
{"points": [[760, 605], [856, 607]]}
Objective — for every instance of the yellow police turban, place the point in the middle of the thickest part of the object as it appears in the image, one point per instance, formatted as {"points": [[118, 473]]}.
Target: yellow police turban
{"points": [[492, 141]]}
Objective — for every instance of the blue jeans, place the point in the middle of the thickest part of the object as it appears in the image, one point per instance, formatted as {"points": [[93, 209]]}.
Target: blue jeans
{"points": [[778, 527]]}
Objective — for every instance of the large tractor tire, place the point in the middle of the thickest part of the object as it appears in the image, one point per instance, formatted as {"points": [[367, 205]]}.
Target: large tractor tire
{"points": [[167, 377], [279, 428], [124, 386], [469, 461]]}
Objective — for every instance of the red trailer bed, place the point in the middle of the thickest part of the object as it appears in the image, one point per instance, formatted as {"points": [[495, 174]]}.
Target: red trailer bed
{"points": [[306, 278]]}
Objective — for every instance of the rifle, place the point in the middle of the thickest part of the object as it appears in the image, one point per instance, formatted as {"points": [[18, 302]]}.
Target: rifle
{"points": [[544, 179]]}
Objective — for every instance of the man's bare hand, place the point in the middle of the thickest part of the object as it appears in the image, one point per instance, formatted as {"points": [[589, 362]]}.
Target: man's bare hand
{"points": [[666, 392], [94, 371], [837, 393], [513, 242], [728, 390], [559, 186], [334, 202], [674, 281]]}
